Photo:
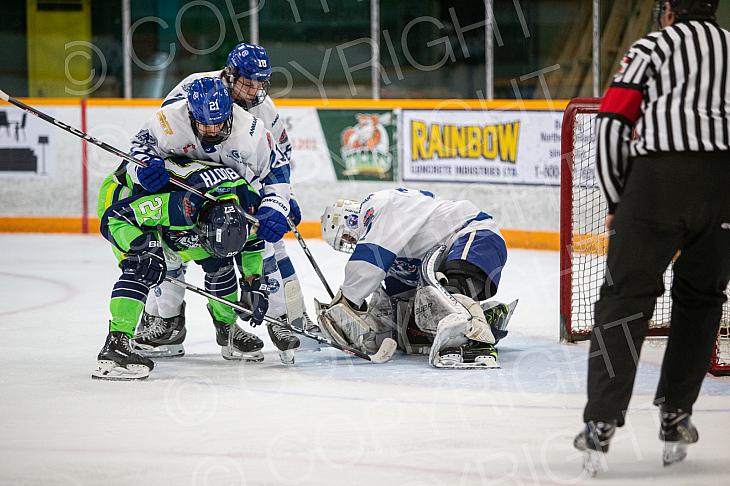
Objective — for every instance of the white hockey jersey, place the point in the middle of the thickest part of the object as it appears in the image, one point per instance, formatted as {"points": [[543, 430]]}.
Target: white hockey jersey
{"points": [[266, 111], [400, 227], [249, 149]]}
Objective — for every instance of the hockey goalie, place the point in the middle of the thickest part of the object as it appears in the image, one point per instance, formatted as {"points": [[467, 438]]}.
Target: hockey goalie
{"points": [[422, 269]]}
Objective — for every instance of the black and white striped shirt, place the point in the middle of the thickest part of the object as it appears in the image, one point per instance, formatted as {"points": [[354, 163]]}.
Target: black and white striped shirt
{"points": [[673, 88]]}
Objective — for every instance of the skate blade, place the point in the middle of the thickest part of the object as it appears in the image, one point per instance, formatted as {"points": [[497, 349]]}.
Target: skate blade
{"points": [[164, 351], [287, 356], [455, 362], [108, 370], [487, 362], [234, 355], [673, 452], [594, 462]]}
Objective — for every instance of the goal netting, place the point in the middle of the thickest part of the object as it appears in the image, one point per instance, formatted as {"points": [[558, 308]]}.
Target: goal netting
{"points": [[583, 243]]}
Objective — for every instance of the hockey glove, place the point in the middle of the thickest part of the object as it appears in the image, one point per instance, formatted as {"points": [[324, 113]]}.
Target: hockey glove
{"points": [[272, 219], [259, 295], [153, 177], [294, 212], [145, 260]]}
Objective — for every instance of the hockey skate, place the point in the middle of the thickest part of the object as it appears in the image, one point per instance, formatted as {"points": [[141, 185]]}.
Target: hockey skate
{"points": [[284, 340], [237, 344], [118, 361], [498, 315], [158, 337], [677, 432], [594, 440], [473, 354]]}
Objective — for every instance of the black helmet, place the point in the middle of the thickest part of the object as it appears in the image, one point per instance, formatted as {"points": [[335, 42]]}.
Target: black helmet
{"points": [[223, 228], [691, 9]]}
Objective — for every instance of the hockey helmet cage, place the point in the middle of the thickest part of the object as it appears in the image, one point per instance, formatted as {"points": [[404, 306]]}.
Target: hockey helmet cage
{"points": [[223, 229], [341, 226]]}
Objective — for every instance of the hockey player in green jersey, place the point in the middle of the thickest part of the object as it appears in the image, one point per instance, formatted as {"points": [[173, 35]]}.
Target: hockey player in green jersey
{"points": [[143, 227]]}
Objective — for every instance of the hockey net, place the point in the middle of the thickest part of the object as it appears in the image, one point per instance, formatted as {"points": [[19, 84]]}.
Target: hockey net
{"points": [[583, 244]]}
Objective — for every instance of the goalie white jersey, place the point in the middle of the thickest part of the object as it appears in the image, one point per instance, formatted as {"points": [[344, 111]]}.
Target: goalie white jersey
{"points": [[266, 111], [249, 149], [399, 227]]}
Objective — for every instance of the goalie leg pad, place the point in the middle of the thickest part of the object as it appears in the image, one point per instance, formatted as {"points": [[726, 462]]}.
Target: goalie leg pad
{"points": [[478, 328], [450, 334], [430, 307], [464, 340]]}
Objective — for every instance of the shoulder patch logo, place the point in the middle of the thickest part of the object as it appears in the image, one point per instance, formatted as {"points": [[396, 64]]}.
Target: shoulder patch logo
{"points": [[368, 218], [624, 64], [145, 137], [235, 155]]}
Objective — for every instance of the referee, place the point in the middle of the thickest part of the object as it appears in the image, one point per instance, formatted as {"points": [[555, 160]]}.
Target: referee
{"points": [[668, 190]]}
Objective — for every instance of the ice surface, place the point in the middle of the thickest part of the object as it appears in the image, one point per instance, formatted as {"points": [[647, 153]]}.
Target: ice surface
{"points": [[329, 419]]}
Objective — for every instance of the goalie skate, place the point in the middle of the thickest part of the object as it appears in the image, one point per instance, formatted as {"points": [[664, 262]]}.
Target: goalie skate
{"points": [[118, 361], [471, 355], [158, 337]]}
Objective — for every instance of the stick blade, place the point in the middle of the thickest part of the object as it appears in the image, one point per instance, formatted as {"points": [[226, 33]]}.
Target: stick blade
{"points": [[386, 351]]}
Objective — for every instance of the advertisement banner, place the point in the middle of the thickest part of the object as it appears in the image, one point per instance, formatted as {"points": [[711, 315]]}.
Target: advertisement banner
{"points": [[310, 154], [26, 143], [361, 143], [515, 147]]}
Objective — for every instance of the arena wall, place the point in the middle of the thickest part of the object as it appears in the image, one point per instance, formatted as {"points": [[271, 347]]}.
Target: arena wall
{"points": [[49, 179]]}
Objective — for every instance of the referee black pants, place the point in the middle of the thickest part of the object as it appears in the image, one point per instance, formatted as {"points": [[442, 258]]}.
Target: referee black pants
{"points": [[670, 202]]}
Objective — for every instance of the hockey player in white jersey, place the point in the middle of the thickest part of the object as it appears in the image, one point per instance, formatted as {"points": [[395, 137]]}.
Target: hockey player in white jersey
{"points": [[246, 74], [208, 126], [426, 263]]}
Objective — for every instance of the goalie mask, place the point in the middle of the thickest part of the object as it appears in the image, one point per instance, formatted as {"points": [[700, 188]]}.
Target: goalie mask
{"points": [[341, 227], [223, 228]]}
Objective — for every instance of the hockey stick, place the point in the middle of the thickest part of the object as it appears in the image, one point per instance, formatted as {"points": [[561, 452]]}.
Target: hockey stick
{"points": [[109, 148], [386, 351], [306, 251]]}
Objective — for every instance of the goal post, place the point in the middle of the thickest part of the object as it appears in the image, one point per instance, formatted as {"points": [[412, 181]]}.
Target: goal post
{"points": [[584, 243]]}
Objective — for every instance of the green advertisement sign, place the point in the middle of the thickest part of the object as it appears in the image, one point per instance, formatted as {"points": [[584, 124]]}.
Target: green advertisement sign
{"points": [[361, 143]]}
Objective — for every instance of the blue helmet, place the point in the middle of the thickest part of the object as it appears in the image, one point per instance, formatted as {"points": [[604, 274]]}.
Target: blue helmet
{"points": [[249, 61], [209, 103]]}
